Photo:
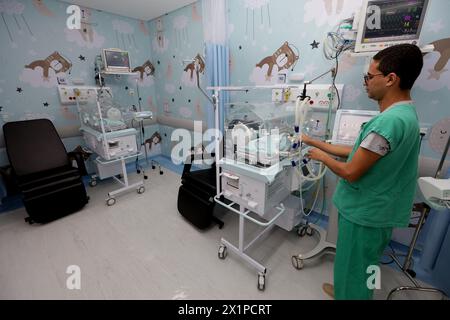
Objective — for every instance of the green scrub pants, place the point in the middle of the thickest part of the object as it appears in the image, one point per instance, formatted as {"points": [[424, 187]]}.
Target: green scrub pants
{"points": [[357, 249]]}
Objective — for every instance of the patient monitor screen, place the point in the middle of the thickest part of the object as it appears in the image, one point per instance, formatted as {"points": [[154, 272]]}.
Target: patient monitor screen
{"points": [[117, 59], [400, 20]]}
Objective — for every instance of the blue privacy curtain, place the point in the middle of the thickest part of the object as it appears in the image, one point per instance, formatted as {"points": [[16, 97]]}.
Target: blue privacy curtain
{"points": [[215, 26]]}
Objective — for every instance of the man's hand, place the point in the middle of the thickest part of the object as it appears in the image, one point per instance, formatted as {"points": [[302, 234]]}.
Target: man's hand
{"points": [[336, 150], [317, 154], [306, 139]]}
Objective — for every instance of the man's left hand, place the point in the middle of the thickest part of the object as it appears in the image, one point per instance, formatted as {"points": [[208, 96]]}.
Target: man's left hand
{"points": [[316, 154]]}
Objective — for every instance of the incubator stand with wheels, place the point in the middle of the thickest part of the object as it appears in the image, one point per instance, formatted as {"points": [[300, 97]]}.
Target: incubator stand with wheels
{"points": [[105, 131], [345, 132], [262, 163]]}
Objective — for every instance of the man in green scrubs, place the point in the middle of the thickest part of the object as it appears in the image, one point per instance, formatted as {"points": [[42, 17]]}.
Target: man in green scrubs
{"points": [[378, 182]]}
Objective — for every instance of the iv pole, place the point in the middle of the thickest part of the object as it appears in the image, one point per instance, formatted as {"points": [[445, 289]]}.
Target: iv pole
{"points": [[327, 238], [425, 211], [142, 123]]}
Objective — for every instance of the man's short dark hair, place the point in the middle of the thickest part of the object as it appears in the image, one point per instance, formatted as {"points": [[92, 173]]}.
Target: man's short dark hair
{"points": [[405, 60]]}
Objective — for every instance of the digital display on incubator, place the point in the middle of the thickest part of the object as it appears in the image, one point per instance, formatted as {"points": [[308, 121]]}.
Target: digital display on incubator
{"points": [[400, 20], [348, 125]]}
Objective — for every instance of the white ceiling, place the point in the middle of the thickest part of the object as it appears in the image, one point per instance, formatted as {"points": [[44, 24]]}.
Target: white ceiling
{"points": [[138, 9]]}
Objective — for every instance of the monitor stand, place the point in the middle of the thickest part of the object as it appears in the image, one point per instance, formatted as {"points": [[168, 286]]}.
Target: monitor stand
{"points": [[327, 238]]}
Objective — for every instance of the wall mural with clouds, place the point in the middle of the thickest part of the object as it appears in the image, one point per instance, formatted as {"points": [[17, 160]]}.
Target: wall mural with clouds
{"points": [[176, 41], [37, 49], [265, 25], [265, 37]]}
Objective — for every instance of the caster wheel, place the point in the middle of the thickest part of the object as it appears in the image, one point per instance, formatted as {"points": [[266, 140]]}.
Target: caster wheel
{"points": [[297, 263], [412, 273], [153, 167], [309, 231], [301, 232], [93, 183], [222, 252], [110, 202], [141, 190], [161, 173], [261, 282]]}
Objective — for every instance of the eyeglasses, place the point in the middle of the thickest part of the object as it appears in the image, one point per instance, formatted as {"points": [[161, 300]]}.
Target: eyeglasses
{"points": [[369, 76]]}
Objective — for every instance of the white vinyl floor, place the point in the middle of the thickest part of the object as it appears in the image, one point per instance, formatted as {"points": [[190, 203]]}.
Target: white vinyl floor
{"points": [[142, 248]]}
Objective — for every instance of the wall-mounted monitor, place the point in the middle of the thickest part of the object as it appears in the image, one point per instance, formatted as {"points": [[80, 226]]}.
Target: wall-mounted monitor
{"points": [[116, 60], [385, 23]]}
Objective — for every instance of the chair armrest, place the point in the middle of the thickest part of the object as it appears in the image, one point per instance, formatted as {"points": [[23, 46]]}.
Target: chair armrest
{"points": [[78, 157], [188, 163]]}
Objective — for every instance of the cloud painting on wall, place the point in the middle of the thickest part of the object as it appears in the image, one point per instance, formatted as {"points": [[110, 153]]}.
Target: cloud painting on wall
{"points": [[181, 31], [170, 88], [124, 34], [76, 36], [257, 17], [329, 12], [161, 44], [435, 74], [17, 22], [188, 81], [146, 82], [185, 112], [259, 75]]}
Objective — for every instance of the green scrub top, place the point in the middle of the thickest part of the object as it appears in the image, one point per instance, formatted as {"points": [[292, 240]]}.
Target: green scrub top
{"points": [[383, 197]]}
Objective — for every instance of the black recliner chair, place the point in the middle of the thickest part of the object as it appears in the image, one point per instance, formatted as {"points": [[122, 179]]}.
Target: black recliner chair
{"points": [[196, 195], [51, 187]]}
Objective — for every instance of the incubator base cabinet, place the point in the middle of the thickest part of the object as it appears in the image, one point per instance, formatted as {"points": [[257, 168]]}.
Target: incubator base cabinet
{"points": [[117, 144], [262, 190], [105, 171]]}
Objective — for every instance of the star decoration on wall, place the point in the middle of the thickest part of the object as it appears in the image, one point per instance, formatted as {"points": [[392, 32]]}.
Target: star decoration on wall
{"points": [[19, 90], [1, 108], [46, 104], [82, 58], [315, 45]]}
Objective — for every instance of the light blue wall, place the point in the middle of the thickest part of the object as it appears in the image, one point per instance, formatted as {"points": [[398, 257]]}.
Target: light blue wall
{"points": [[177, 38], [259, 27], [302, 22], [33, 30]]}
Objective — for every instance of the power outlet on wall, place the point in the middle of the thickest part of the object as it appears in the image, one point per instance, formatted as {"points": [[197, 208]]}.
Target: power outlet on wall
{"points": [[425, 129]]}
